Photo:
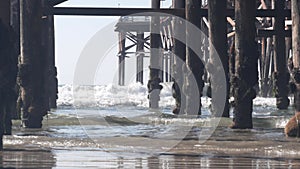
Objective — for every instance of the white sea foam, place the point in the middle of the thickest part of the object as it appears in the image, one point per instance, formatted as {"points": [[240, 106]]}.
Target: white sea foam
{"points": [[134, 94], [264, 102]]}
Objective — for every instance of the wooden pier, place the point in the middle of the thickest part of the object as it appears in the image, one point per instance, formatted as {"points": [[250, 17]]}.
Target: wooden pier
{"points": [[257, 42]]}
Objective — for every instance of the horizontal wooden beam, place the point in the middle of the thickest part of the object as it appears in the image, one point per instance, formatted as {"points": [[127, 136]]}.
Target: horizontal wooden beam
{"points": [[272, 13], [270, 33], [113, 11], [146, 12]]}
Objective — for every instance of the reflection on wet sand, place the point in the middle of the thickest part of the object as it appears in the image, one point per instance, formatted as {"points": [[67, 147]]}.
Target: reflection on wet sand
{"points": [[99, 159], [26, 159]]}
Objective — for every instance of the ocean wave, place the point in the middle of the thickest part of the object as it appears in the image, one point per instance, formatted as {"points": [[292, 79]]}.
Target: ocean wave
{"points": [[134, 94]]}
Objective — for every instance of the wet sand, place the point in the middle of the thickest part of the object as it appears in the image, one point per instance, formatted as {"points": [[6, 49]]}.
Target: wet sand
{"points": [[225, 152], [65, 143]]}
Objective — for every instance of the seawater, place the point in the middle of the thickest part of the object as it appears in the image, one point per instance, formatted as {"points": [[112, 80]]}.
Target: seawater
{"points": [[110, 127]]}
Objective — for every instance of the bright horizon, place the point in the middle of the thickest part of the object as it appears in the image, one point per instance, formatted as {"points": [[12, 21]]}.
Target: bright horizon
{"points": [[72, 33]]}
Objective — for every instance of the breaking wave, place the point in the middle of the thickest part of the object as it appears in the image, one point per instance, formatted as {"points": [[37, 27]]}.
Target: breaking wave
{"points": [[134, 94]]}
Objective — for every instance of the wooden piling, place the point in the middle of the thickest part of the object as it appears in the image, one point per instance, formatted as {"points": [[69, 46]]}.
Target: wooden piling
{"points": [[52, 70], [15, 21], [195, 67], [179, 51], [32, 65], [15, 25], [280, 61], [50, 73], [122, 55], [295, 5], [140, 57], [5, 12], [288, 40], [218, 41], [154, 86], [246, 73], [4, 18], [232, 55], [46, 55], [8, 70]]}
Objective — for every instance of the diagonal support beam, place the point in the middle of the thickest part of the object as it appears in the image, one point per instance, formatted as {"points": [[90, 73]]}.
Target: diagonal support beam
{"points": [[55, 2]]}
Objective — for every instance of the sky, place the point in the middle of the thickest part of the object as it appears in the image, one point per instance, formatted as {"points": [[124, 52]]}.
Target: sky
{"points": [[73, 33]]}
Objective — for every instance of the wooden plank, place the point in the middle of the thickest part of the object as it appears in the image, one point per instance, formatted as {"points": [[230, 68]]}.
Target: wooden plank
{"points": [[229, 35], [231, 21], [264, 5]]}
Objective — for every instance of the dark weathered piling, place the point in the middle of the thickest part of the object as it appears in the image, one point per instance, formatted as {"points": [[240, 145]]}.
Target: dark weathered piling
{"points": [[122, 55], [46, 55], [246, 74], [32, 66], [218, 41], [195, 68], [8, 70], [179, 51], [140, 57], [5, 12], [154, 86], [232, 55], [15, 25], [51, 84], [296, 52], [288, 40], [4, 17], [52, 70], [15, 22], [281, 77]]}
